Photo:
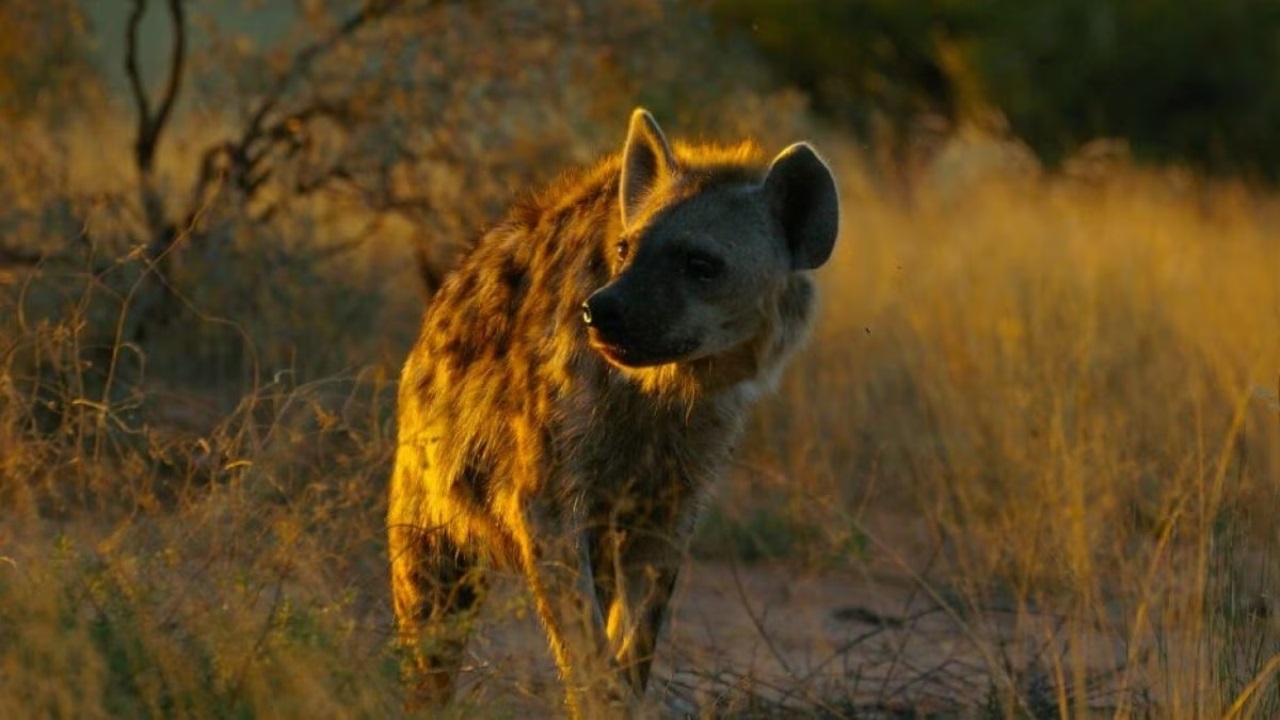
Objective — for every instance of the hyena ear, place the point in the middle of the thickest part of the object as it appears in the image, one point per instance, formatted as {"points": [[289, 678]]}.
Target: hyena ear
{"points": [[802, 195], [646, 162]]}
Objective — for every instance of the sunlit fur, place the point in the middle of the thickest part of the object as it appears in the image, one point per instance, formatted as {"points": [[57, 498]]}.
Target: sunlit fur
{"points": [[521, 446]]}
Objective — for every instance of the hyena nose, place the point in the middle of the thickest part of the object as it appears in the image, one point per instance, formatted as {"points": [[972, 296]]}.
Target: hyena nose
{"points": [[602, 312]]}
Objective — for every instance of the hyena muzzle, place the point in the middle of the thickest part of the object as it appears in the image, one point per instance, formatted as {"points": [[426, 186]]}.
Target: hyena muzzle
{"points": [[579, 382]]}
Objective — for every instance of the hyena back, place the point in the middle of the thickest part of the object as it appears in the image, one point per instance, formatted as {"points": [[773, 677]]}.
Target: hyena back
{"points": [[580, 380]]}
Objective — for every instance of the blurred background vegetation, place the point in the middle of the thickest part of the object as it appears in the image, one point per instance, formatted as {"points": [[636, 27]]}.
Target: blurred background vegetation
{"points": [[1043, 399], [1184, 81]]}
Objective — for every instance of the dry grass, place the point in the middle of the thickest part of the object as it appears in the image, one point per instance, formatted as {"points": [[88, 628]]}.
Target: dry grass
{"points": [[1067, 386], [1073, 383]]}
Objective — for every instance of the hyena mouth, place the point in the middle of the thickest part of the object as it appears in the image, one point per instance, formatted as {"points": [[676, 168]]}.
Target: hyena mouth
{"points": [[615, 355], [628, 356]]}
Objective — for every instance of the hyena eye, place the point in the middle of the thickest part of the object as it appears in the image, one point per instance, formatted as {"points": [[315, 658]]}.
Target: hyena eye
{"points": [[623, 248], [703, 267]]}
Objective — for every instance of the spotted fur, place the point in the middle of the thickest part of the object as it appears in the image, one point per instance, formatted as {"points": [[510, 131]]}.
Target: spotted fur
{"points": [[580, 380]]}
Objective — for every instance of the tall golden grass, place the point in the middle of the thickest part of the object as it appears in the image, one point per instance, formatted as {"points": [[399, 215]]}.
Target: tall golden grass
{"points": [[1072, 381], [1069, 383]]}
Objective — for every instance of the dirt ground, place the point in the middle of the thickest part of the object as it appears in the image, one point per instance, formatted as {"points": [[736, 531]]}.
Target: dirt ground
{"points": [[769, 640]]}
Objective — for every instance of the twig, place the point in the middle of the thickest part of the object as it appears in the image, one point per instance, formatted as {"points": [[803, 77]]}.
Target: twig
{"points": [[306, 57], [757, 623]]}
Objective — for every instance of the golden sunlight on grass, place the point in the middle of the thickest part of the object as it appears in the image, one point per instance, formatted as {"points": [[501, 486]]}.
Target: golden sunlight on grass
{"points": [[1073, 384], [1042, 408]]}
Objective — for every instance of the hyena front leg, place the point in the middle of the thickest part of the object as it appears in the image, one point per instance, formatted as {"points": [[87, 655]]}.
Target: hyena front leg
{"points": [[644, 571], [435, 588], [557, 567]]}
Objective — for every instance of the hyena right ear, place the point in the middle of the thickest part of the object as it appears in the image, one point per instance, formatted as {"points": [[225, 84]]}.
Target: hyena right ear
{"points": [[647, 160]]}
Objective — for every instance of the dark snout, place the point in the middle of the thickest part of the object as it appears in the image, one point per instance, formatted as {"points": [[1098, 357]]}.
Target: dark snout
{"points": [[602, 312], [631, 332], [604, 315]]}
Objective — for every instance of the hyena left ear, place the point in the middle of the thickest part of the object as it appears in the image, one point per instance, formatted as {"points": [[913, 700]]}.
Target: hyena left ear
{"points": [[802, 195], [646, 162]]}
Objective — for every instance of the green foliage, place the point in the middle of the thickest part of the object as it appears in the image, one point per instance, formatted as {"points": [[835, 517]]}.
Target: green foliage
{"points": [[857, 59], [1181, 80]]}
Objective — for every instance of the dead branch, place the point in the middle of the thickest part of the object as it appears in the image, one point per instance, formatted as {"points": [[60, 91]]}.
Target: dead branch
{"points": [[157, 299], [243, 161], [307, 57], [14, 257], [151, 122]]}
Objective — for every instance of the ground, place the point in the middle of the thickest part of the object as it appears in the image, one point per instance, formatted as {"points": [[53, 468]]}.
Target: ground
{"points": [[773, 639]]}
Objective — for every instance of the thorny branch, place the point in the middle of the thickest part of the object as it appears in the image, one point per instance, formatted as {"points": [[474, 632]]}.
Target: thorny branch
{"points": [[307, 57], [243, 159], [276, 130]]}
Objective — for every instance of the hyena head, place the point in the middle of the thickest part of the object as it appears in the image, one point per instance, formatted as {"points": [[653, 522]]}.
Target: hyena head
{"points": [[695, 262]]}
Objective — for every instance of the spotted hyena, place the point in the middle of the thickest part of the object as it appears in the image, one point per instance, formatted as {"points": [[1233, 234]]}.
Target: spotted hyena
{"points": [[580, 380]]}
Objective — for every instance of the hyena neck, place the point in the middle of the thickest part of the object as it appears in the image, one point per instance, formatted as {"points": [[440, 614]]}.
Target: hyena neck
{"points": [[697, 431]]}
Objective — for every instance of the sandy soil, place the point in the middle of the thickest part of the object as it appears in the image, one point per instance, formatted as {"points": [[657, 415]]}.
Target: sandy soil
{"points": [[767, 640]]}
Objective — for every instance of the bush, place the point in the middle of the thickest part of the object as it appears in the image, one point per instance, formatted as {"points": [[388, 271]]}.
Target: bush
{"points": [[1188, 81]]}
